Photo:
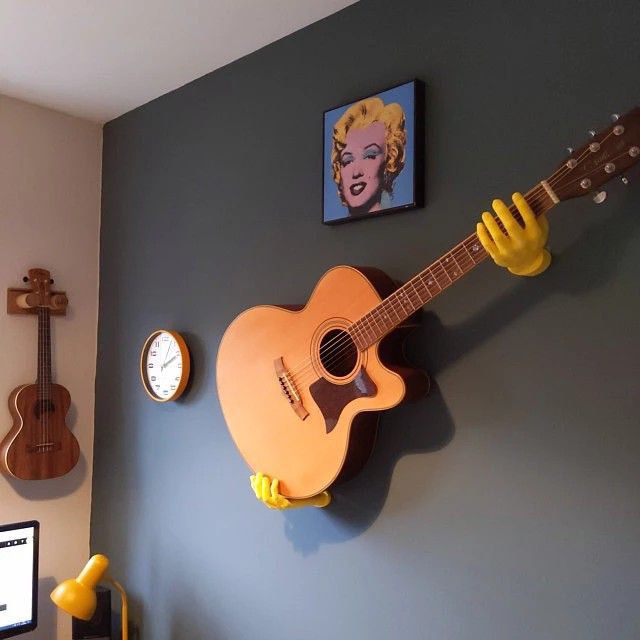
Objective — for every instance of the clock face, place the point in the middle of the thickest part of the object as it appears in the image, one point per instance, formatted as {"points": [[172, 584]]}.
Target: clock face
{"points": [[164, 365]]}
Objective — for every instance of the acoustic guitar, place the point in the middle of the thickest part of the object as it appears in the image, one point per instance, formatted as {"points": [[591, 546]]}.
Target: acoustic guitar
{"points": [[301, 388], [39, 445]]}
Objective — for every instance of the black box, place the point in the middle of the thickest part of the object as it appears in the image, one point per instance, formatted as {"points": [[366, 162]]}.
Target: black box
{"points": [[99, 627]]}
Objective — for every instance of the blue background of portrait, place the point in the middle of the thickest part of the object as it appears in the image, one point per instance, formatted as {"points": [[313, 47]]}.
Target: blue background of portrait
{"points": [[403, 194]]}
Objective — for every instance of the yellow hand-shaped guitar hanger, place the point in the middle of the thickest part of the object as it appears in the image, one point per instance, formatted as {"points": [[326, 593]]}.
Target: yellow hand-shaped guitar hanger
{"points": [[519, 249], [266, 490]]}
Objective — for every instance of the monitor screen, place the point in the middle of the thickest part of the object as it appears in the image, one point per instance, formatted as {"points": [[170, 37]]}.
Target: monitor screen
{"points": [[18, 578]]}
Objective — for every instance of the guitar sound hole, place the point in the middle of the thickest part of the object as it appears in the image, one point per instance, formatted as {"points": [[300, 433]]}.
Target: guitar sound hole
{"points": [[338, 353]]}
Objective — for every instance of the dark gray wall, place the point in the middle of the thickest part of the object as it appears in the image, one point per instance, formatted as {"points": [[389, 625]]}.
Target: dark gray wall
{"points": [[503, 506]]}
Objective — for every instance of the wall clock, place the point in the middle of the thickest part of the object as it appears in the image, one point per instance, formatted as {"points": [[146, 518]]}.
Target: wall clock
{"points": [[165, 365]]}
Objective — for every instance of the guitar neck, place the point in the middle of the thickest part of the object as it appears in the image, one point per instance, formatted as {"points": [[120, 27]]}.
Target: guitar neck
{"points": [[44, 354], [437, 277]]}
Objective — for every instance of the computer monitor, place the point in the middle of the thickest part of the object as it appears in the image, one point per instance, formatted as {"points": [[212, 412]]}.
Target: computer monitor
{"points": [[18, 578]]}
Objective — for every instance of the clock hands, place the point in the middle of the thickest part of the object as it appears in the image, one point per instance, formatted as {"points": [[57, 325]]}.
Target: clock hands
{"points": [[166, 364], [166, 353]]}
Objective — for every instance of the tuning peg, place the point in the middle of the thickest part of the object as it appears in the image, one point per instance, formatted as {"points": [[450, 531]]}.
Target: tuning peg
{"points": [[615, 117], [599, 197], [592, 133], [570, 150], [624, 179]]}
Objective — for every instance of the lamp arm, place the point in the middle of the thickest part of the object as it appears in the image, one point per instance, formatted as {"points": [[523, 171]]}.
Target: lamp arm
{"points": [[124, 617]]}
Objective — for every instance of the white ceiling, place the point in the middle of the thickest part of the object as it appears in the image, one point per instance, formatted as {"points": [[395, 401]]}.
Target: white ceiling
{"points": [[100, 58]]}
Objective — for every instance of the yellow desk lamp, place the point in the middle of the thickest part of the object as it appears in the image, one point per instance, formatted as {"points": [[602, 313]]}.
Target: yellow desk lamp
{"points": [[78, 596]]}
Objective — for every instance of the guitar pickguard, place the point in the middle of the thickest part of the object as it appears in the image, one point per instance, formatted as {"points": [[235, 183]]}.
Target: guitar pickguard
{"points": [[333, 398]]}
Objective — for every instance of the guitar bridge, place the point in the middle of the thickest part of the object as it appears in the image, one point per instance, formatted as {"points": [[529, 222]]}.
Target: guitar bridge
{"points": [[44, 447], [288, 389]]}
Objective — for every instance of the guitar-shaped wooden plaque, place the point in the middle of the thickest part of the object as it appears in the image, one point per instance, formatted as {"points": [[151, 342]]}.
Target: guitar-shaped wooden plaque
{"points": [[301, 388], [39, 445]]}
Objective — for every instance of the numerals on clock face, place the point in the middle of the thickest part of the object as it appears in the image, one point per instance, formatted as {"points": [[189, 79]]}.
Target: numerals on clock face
{"points": [[163, 365]]}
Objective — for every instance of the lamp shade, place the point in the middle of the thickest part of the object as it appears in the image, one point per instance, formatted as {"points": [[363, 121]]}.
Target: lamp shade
{"points": [[77, 596]]}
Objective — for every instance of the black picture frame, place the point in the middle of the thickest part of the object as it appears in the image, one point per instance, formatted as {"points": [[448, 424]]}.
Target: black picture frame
{"points": [[415, 176]]}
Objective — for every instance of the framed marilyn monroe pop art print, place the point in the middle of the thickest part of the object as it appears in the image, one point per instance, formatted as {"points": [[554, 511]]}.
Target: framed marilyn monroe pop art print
{"points": [[372, 158]]}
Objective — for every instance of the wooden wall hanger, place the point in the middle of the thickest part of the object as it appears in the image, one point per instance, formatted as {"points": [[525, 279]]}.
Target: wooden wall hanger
{"points": [[27, 301]]}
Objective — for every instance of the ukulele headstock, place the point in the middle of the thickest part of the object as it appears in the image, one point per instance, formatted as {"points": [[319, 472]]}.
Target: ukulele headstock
{"points": [[41, 281], [610, 153], [40, 295]]}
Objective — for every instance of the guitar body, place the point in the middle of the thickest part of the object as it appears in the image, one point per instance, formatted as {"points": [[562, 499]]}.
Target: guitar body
{"points": [[39, 445], [300, 405]]}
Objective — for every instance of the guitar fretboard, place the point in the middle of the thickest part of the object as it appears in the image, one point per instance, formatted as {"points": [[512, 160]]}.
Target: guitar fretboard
{"points": [[433, 280]]}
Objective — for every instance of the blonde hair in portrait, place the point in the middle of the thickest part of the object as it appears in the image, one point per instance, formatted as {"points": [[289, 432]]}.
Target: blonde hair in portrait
{"points": [[359, 116]]}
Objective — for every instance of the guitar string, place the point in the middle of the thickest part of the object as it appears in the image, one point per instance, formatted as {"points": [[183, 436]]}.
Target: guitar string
{"points": [[47, 347], [41, 385], [459, 257], [51, 419], [346, 336], [47, 365], [612, 161], [38, 379], [460, 253], [43, 415], [39, 396], [536, 192], [45, 390], [462, 258], [438, 278]]}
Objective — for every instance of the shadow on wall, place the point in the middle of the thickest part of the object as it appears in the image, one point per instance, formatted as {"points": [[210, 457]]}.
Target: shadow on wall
{"points": [[198, 353], [47, 611], [181, 619], [589, 263], [419, 427], [426, 425], [38, 490]]}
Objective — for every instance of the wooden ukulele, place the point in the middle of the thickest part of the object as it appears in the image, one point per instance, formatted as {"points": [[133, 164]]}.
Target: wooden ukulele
{"points": [[40, 445], [301, 388]]}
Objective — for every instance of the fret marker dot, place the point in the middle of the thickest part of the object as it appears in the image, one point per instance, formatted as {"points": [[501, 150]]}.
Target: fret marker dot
{"points": [[475, 247]]}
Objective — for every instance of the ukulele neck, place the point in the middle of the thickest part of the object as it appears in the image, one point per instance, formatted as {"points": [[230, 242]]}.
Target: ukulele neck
{"points": [[44, 354], [437, 277]]}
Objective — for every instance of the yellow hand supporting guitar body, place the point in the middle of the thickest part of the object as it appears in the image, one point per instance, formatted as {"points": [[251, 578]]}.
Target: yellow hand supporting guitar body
{"points": [[519, 249], [266, 490]]}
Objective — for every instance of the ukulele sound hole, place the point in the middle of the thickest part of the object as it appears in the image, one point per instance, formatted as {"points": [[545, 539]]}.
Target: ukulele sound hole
{"points": [[43, 406], [338, 353]]}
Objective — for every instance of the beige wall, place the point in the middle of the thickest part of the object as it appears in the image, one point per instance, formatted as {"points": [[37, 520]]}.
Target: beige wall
{"points": [[50, 217]]}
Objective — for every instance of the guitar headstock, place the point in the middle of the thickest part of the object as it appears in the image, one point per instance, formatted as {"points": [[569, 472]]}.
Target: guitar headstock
{"points": [[40, 280], [609, 154]]}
